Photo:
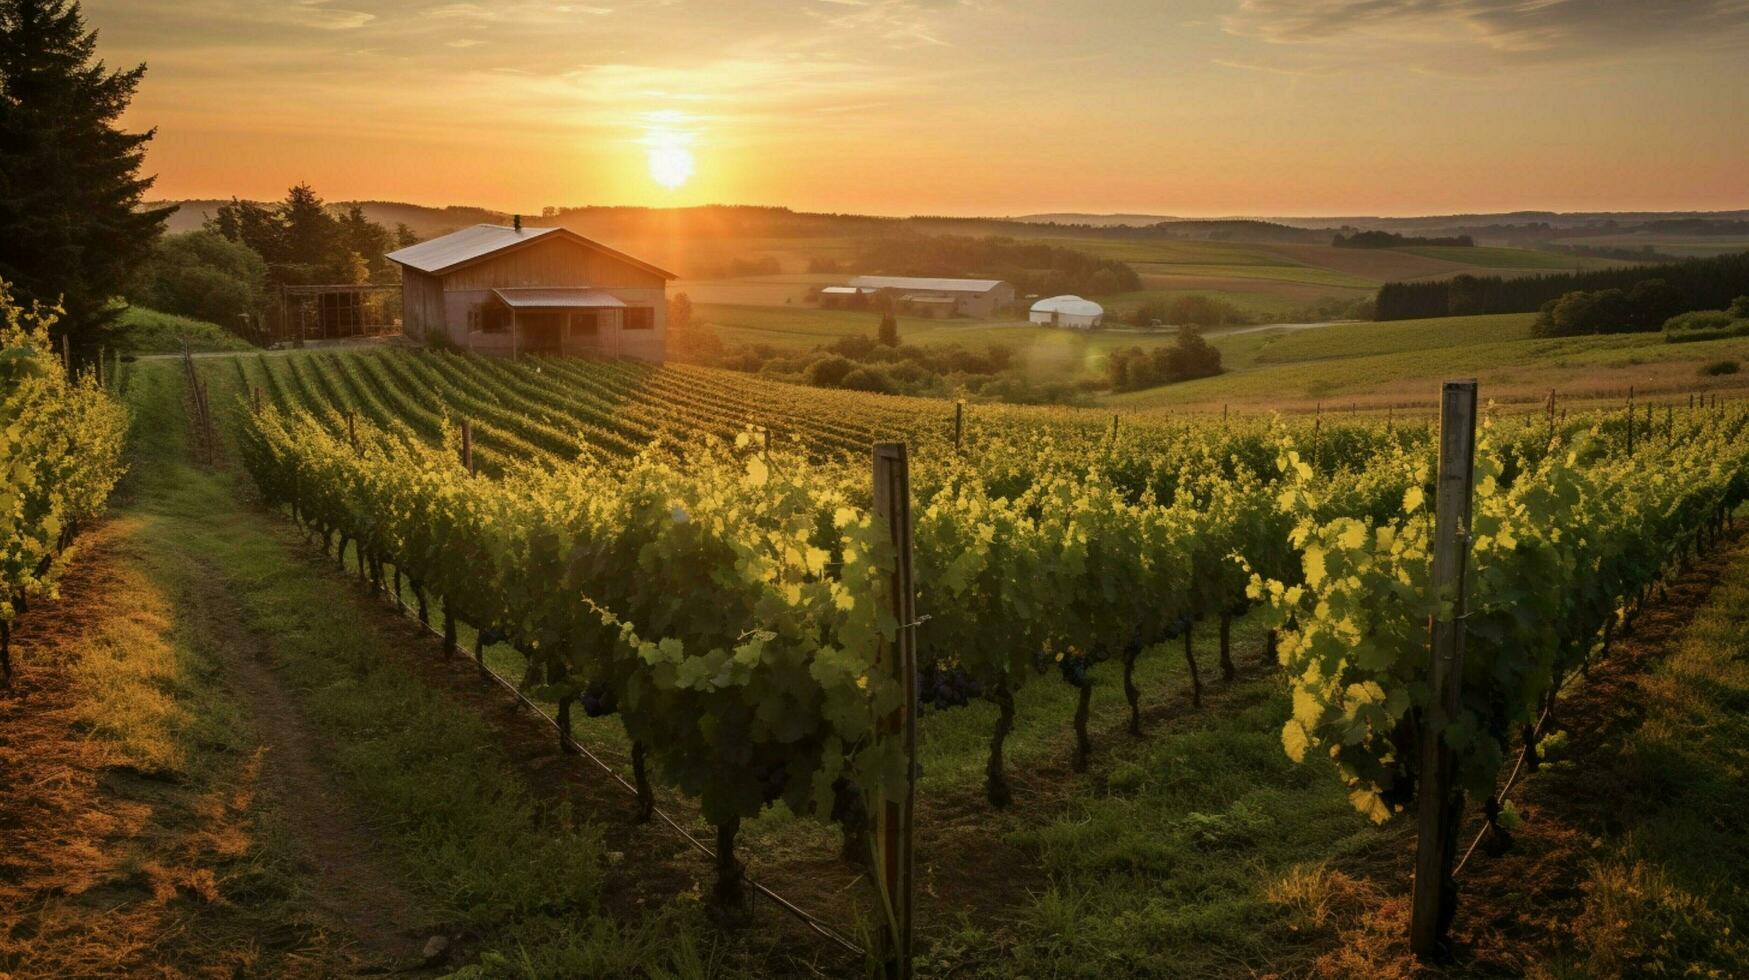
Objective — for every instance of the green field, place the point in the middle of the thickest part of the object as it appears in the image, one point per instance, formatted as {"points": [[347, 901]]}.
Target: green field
{"points": [[1415, 355], [1363, 339], [1496, 257]]}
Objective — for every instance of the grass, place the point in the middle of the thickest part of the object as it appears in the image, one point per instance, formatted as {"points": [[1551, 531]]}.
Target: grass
{"points": [[1394, 337], [1497, 257], [147, 331], [1579, 368]]}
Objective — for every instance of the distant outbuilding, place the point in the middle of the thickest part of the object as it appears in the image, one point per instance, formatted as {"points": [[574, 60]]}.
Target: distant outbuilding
{"points": [[1068, 311], [515, 290], [944, 297]]}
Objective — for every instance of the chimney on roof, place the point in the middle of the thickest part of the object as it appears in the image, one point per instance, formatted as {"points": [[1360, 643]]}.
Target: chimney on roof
{"points": [[516, 222]]}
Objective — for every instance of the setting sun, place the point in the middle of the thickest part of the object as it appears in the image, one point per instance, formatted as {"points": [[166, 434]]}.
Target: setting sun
{"points": [[668, 140], [670, 165]]}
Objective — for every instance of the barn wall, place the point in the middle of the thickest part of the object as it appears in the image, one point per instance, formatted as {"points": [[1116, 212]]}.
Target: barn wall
{"points": [[558, 262], [421, 303], [646, 345]]}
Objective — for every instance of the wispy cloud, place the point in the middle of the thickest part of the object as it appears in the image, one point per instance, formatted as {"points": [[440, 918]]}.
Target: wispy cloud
{"points": [[1469, 35], [318, 13]]}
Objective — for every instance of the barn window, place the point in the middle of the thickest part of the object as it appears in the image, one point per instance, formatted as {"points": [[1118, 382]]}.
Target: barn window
{"points": [[639, 318], [585, 324], [494, 318], [474, 319]]}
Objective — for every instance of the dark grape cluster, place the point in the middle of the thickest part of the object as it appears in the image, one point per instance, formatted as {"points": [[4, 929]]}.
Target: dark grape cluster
{"points": [[772, 780], [1178, 627], [947, 687], [598, 701], [1074, 670]]}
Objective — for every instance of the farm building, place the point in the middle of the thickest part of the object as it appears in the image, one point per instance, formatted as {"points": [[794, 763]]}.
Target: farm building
{"points": [[515, 290], [943, 297], [1067, 311], [835, 297]]}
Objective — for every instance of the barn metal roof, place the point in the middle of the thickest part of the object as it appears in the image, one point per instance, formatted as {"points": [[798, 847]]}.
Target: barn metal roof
{"points": [[458, 248], [465, 245], [1072, 305], [927, 285], [557, 298]]}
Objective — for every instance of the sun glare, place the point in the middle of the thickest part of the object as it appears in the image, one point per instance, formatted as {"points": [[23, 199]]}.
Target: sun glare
{"points": [[668, 143], [670, 166]]}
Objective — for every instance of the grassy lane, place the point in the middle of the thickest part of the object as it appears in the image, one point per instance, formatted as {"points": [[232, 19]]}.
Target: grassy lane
{"points": [[377, 807]]}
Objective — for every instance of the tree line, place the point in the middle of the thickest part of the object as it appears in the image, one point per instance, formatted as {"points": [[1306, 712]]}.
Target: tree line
{"points": [[230, 267], [1387, 239], [1190, 356], [1032, 267], [75, 229], [1704, 283]]}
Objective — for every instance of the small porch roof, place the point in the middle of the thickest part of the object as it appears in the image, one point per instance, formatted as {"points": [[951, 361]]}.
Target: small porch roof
{"points": [[557, 298]]}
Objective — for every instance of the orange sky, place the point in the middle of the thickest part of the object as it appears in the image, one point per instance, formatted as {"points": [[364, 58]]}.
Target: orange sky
{"points": [[1203, 107]]}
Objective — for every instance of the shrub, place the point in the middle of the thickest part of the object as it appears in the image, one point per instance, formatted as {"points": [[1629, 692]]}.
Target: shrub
{"points": [[202, 275], [867, 379], [829, 371], [1704, 325], [1717, 368]]}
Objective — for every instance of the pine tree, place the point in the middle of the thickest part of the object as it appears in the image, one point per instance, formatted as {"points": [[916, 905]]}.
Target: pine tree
{"points": [[72, 228]]}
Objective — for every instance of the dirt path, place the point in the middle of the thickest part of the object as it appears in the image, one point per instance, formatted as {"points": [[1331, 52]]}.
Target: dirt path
{"points": [[351, 886]]}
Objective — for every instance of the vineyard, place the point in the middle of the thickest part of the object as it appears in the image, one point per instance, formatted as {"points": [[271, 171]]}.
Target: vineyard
{"points": [[704, 557], [60, 455]]}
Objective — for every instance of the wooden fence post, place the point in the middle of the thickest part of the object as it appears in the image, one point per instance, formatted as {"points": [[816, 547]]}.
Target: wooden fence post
{"points": [[959, 422], [468, 446], [1630, 420], [893, 839], [1440, 805]]}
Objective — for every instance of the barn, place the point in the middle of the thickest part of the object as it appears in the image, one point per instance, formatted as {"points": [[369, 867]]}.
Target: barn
{"points": [[512, 290], [944, 297], [1067, 311]]}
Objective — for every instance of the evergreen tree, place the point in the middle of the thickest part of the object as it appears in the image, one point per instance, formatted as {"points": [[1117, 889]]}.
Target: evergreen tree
{"points": [[312, 237], [889, 330], [251, 224], [72, 228], [359, 236]]}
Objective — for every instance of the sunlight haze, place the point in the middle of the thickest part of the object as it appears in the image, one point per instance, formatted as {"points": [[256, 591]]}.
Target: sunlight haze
{"points": [[1207, 107]]}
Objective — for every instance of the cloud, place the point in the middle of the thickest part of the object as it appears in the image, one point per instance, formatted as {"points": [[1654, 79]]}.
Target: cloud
{"points": [[1477, 34], [317, 13]]}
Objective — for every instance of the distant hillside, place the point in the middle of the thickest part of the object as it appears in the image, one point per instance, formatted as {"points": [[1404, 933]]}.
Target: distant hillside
{"points": [[1097, 220], [728, 222]]}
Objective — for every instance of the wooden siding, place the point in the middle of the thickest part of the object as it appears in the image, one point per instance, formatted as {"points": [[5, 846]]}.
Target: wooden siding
{"points": [[422, 308], [554, 262]]}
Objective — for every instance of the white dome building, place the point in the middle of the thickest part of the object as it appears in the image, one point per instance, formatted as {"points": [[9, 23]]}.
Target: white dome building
{"points": [[1067, 311]]}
